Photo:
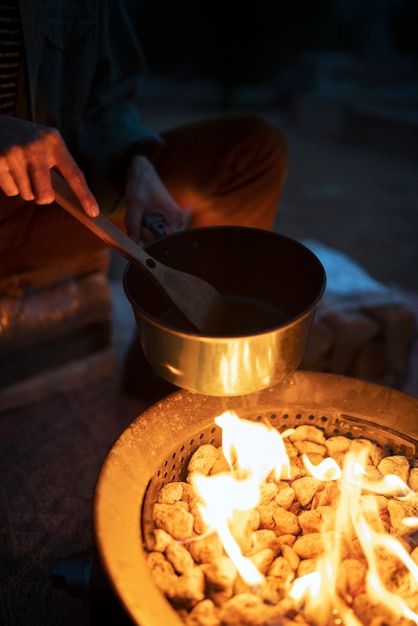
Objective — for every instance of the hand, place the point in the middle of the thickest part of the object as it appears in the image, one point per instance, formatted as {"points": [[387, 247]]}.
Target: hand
{"points": [[27, 152], [145, 193]]}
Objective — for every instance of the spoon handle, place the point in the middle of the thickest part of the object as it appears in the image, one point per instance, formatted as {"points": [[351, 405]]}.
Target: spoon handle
{"points": [[197, 301], [102, 227]]}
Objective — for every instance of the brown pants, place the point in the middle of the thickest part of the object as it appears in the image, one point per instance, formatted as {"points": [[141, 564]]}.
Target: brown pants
{"points": [[230, 169]]}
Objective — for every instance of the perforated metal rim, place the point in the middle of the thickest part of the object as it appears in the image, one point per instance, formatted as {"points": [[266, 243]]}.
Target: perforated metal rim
{"points": [[174, 466]]}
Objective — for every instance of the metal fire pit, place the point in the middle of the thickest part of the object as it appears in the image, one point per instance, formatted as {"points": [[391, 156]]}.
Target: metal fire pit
{"points": [[156, 447]]}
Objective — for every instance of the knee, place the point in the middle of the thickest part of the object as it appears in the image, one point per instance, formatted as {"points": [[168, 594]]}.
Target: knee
{"points": [[264, 138], [269, 136]]}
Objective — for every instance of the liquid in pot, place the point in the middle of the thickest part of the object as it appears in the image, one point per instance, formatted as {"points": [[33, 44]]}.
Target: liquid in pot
{"points": [[248, 316]]}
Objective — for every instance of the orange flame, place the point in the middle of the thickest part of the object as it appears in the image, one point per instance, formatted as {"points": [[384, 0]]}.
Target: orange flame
{"points": [[255, 452]]}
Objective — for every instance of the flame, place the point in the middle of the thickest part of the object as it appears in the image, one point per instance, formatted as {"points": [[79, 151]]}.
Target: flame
{"points": [[377, 543], [256, 453], [355, 510], [328, 469], [217, 511], [410, 522], [241, 443], [253, 447]]}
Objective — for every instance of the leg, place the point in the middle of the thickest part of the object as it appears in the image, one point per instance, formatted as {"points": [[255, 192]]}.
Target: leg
{"points": [[52, 313], [34, 237], [229, 170]]}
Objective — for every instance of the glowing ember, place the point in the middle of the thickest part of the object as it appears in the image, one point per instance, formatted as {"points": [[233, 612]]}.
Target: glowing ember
{"points": [[312, 531]]}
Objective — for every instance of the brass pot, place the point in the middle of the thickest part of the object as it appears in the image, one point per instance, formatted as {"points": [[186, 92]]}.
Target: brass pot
{"points": [[273, 285]]}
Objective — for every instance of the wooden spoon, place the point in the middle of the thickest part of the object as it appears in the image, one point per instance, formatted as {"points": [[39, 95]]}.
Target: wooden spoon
{"points": [[200, 303]]}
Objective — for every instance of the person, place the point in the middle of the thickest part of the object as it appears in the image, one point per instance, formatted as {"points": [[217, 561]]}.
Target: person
{"points": [[70, 75]]}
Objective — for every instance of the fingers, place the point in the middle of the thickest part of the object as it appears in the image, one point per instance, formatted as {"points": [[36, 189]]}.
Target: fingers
{"points": [[76, 180], [64, 162], [14, 177], [26, 161], [133, 221], [145, 193], [23, 162], [7, 182], [31, 173]]}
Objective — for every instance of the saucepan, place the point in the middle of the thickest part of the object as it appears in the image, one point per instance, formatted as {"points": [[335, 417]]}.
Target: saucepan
{"points": [[272, 284], [224, 310]]}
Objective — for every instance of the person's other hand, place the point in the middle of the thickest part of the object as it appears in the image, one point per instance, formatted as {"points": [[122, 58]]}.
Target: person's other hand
{"points": [[145, 193], [27, 152]]}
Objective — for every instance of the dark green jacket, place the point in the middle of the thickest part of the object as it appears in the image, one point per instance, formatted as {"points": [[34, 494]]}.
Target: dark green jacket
{"points": [[84, 65]]}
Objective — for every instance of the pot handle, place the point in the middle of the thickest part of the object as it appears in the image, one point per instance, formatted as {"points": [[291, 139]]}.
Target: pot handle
{"points": [[155, 222]]}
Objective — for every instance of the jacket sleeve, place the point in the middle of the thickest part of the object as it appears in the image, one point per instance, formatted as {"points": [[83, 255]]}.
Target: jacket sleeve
{"points": [[112, 126]]}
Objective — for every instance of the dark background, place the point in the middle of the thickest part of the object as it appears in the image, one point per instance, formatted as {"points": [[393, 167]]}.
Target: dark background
{"points": [[340, 77], [235, 43]]}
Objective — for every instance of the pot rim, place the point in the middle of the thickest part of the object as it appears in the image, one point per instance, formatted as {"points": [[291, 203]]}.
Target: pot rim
{"points": [[156, 321]]}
